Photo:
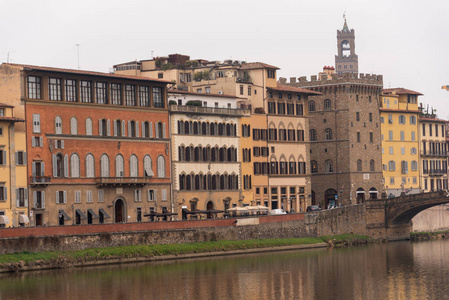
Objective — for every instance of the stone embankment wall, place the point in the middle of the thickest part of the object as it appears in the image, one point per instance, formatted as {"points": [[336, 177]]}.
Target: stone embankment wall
{"points": [[65, 238], [349, 219], [342, 220], [432, 219]]}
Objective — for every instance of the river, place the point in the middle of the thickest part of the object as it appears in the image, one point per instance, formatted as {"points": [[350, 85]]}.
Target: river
{"points": [[398, 270]]}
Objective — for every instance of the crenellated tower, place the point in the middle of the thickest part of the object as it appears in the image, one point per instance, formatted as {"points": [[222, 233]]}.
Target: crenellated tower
{"points": [[346, 61]]}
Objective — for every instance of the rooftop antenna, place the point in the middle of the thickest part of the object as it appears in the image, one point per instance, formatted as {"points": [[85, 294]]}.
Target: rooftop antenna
{"points": [[152, 56], [78, 50], [7, 55]]}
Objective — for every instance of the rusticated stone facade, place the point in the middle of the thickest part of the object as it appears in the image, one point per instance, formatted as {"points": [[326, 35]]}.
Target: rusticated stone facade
{"points": [[345, 139]]}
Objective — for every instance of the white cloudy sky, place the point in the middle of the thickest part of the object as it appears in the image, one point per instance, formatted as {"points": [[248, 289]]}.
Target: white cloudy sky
{"points": [[406, 41]]}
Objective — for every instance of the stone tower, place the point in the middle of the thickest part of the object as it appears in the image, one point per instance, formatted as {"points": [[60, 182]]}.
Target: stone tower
{"points": [[346, 61]]}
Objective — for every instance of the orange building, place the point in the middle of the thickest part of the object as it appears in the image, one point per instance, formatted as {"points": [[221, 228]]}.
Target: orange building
{"points": [[97, 144]]}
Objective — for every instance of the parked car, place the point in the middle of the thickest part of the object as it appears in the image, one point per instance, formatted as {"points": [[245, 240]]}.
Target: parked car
{"points": [[313, 208], [277, 211]]}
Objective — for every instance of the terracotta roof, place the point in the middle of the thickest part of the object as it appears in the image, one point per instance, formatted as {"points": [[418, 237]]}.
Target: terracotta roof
{"points": [[400, 91], [12, 119], [170, 91], [257, 65], [288, 88], [6, 105], [83, 72], [430, 119]]}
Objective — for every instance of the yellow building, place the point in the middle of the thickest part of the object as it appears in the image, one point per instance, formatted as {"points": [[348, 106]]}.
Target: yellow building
{"points": [[400, 141], [13, 171]]}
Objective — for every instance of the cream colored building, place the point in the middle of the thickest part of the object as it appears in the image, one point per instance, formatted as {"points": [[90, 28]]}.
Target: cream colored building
{"points": [[13, 170]]}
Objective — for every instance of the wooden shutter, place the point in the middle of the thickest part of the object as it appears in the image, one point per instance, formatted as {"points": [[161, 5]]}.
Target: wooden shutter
{"points": [[123, 128], [33, 169], [108, 127], [137, 128], [129, 128], [65, 196], [25, 194], [41, 142], [35, 199], [55, 167], [100, 127], [163, 131], [42, 169], [151, 129], [66, 165]]}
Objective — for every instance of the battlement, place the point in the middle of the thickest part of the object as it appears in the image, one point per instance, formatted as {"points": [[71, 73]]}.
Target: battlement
{"points": [[334, 79], [345, 33]]}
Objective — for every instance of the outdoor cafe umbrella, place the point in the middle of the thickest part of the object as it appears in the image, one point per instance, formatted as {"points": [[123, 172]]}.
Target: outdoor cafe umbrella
{"points": [[257, 208]]}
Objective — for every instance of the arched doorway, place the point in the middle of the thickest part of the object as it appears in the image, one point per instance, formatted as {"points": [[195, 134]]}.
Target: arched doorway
{"points": [[330, 198], [119, 209], [209, 206], [360, 196], [373, 193]]}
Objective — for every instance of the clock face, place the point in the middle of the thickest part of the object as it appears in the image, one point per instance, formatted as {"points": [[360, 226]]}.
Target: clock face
{"points": [[345, 48]]}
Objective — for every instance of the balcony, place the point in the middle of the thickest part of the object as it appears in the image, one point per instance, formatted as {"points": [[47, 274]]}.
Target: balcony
{"points": [[40, 180], [122, 181], [437, 172], [236, 112], [433, 153]]}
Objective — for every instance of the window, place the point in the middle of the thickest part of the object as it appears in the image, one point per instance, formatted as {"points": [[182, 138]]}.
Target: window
{"points": [[382, 120], [21, 158], [133, 169], [271, 73], [130, 95], [119, 166], [37, 141], [88, 196], [371, 137], [104, 165], [281, 108], [280, 95], [151, 195], [312, 135], [54, 89], [314, 167], [101, 92], [390, 119], [404, 167], [413, 136], [34, 87], [358, 137], [36, 123], [3, 193], [391, 150], [100, 196], [58, 125], [70, 90], [402, 136], [137, 195], [160, 166], [61, 197], [391, 180], [390, 135], [74, 166], [207, 89], [144, 96], [413, 120], [22, 197], [77, 197], [86, 91], [88, 126], [116, 93], [327, 104], [328, 134], [413, 151], [357, 116], [73, 126], [311, 106], [299, 110], [370, 115], [249, 91], [414, 165], [60, 165], [402, 150], [271, 107], [328, 166], [371, 165], [290, 109], [401, 119], [157, 97], [424, 129], [359, 165]]}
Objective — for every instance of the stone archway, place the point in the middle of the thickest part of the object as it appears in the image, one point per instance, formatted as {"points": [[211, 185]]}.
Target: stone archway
{"points": [[119, 211], [360, 196], [209, 206]]}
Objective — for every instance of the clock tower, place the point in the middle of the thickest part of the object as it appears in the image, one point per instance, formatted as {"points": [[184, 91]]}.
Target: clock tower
{"points": [[346, 61]]}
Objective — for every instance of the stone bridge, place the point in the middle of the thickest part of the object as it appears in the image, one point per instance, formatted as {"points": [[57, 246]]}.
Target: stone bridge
{"points": [[390, 218]]}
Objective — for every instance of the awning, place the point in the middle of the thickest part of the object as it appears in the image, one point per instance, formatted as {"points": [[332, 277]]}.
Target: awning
{"points": [[105, 215], [63, 214], [94, 215], [81, 214], [148, 171], [23, 219], [4, 219]]}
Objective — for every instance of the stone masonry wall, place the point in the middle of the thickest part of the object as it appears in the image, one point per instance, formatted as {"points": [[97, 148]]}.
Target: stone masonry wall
{"points": [[343, 220]]}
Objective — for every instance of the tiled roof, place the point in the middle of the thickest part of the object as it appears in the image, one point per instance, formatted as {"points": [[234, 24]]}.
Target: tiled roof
{"points": [[288, 88], [400, 91], [430, 119], [12, 119], [257, 65], [83, 72]]}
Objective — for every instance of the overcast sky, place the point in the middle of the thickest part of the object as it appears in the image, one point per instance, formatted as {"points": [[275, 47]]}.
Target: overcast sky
{"points": [[405, 41]]}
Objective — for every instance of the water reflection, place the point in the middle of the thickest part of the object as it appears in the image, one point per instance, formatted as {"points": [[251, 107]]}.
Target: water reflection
{"points": [[398, 270]]}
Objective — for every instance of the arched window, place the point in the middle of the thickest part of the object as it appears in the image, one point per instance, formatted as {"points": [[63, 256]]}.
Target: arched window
{"points": [[371, 165], [314, 167], [73, 126], [104, 165], [160, 130], [327, 104], [328, 134], [160, 166], [328, 167], [132, 132], [90, 165], [359, 165], [182, 179], [311, 106], [60, 165], [133, 169], [147, 166], [88, 126], [74, 165], [312, 135], [58, 125], [119, 166]]}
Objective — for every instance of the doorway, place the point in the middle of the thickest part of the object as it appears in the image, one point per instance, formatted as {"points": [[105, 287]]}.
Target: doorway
{"points": [[209, 206], [119, 211]]}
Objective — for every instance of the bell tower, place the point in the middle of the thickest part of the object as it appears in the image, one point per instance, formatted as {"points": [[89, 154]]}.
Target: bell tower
{"points": [[346, 61]]}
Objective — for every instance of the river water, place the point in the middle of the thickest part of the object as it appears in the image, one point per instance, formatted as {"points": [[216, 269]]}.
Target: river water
{"points": [[398, 270]]}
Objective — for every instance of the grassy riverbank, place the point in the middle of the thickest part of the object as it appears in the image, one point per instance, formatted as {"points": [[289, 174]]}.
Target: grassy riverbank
{"points": [[60, 259], [419, 236]]}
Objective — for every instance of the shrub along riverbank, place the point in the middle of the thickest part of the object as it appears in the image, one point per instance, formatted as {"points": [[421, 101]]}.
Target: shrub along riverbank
{"points": [[423, 236], [59, 259]]}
